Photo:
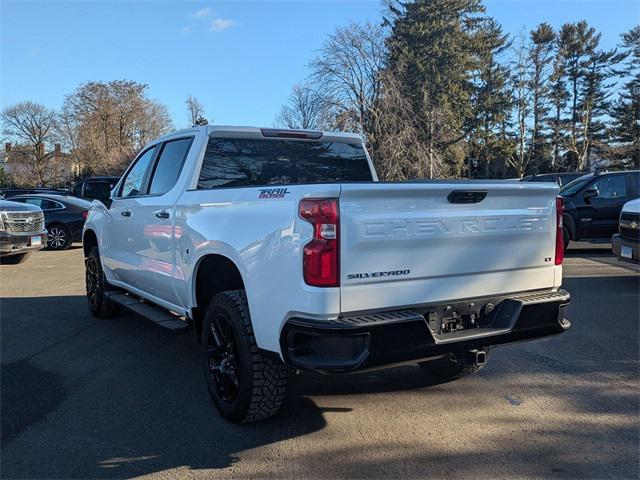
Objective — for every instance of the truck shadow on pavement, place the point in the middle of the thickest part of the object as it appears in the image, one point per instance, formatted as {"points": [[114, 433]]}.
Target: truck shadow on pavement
{"points": [[88, 398]]}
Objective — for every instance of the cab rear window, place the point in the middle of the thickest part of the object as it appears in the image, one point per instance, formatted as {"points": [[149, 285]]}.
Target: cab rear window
{"points": [[230, 162]]}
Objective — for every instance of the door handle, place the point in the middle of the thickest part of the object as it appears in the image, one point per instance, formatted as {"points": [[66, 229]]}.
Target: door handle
{"points": [[162, 214], [125, 213]]}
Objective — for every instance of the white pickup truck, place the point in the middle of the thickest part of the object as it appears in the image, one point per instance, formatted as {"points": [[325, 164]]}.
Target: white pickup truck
{"points": [[281, 250]]}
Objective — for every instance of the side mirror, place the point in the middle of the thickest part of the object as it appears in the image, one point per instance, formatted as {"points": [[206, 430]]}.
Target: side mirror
{"points": [[590, 193]]}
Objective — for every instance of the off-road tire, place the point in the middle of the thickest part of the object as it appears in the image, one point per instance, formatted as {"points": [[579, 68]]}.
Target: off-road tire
{"points": [[99, 305], [14, 259], [262, 378], [451, 368]]}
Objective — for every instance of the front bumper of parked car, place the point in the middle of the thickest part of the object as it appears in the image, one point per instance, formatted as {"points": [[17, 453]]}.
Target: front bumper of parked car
{"points": [[630, 246], [14, 244], [377, 339]]}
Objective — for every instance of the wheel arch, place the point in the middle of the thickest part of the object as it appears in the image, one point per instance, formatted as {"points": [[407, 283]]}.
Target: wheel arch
{"points": [[89, 240], [213, 273]]}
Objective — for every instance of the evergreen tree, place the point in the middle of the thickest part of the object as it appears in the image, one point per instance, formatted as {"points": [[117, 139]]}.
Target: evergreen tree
{"points": [[491, 100], [434, 44], [540, 55], [595, 104], [625, 112], [559, 97]]}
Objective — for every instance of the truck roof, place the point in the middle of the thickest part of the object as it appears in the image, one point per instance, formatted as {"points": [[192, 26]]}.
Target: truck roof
{"points": [[257, 133]]}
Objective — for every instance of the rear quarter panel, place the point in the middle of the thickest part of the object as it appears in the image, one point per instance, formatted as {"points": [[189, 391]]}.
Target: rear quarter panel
{"points": [[264, 238]]}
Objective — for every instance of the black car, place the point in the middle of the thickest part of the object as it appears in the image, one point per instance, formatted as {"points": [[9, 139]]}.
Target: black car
{"points": [[593, 202], [561, 178], [94, 187], [64, 217]]}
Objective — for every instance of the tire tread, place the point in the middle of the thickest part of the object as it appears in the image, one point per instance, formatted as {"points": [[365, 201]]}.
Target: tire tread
{"points": [[106, 308], [269, 376]]}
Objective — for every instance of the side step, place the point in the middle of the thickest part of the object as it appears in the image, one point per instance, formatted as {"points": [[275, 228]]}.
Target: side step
{"points": [[158, 316]]}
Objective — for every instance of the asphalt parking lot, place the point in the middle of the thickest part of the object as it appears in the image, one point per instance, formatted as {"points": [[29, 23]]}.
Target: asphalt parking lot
{"points": [[88, 398]]}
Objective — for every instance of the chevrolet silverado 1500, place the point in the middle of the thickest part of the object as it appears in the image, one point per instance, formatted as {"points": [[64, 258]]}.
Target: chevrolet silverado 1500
{"points": [[281, 251]]}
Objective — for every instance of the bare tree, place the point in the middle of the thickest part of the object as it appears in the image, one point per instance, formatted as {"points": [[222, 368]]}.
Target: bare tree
{"points": [[107, 123], [33, 127], [521, 94], [346, 70], [196, 111], [395, 133], [307, 109]]}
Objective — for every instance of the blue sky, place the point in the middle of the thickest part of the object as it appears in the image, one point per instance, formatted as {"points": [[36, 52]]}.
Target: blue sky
{"points": [[239, 58]]}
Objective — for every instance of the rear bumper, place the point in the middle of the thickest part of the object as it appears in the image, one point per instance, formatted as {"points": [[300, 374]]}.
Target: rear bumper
{"points": [[618, 241], [375, 340], [12, 244]]}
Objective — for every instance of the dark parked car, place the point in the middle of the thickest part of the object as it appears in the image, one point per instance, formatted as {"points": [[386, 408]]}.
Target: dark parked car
{"points": [[64, 217], [593, 202], [561, 178], [93, 188]]}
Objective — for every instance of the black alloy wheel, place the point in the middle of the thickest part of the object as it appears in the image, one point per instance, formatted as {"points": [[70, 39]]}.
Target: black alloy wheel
{"points": [[223, 355], [97, 286]]}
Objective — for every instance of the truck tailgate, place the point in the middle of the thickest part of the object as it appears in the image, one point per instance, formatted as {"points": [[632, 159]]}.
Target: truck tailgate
{"points": [[404, 244]]}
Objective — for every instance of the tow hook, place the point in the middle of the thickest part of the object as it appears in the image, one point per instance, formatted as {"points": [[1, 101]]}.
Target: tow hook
{"points": [[477, 357]]}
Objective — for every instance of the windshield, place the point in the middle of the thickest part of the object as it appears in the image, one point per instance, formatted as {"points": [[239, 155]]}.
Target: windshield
{"points": [[572, 187]]}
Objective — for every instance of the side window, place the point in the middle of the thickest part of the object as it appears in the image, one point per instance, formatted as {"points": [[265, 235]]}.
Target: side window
{"points": [[611, 186], [635, 181], [34, 201], [50, 205], [132, 184], [169, 165]]}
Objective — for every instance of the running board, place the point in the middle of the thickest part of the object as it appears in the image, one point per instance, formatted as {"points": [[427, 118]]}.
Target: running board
{"points": [[158, 316]]}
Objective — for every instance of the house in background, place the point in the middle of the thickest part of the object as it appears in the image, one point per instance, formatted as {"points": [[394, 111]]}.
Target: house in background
{"points": [[57, 168]]}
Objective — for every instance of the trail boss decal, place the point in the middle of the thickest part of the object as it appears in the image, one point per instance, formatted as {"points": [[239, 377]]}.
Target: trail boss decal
{"points": [[389, 273], [273, 192]]}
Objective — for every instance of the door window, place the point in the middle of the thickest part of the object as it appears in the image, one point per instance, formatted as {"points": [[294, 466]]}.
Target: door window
{"points": [[50, 205], [43, 203], [611, 186], [169, 165], [133, 182], [33, 201]]}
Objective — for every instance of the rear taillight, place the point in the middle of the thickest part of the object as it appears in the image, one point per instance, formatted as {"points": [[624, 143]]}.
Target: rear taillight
{"points": [[85, 214], [321, 258], [559, 231]]}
